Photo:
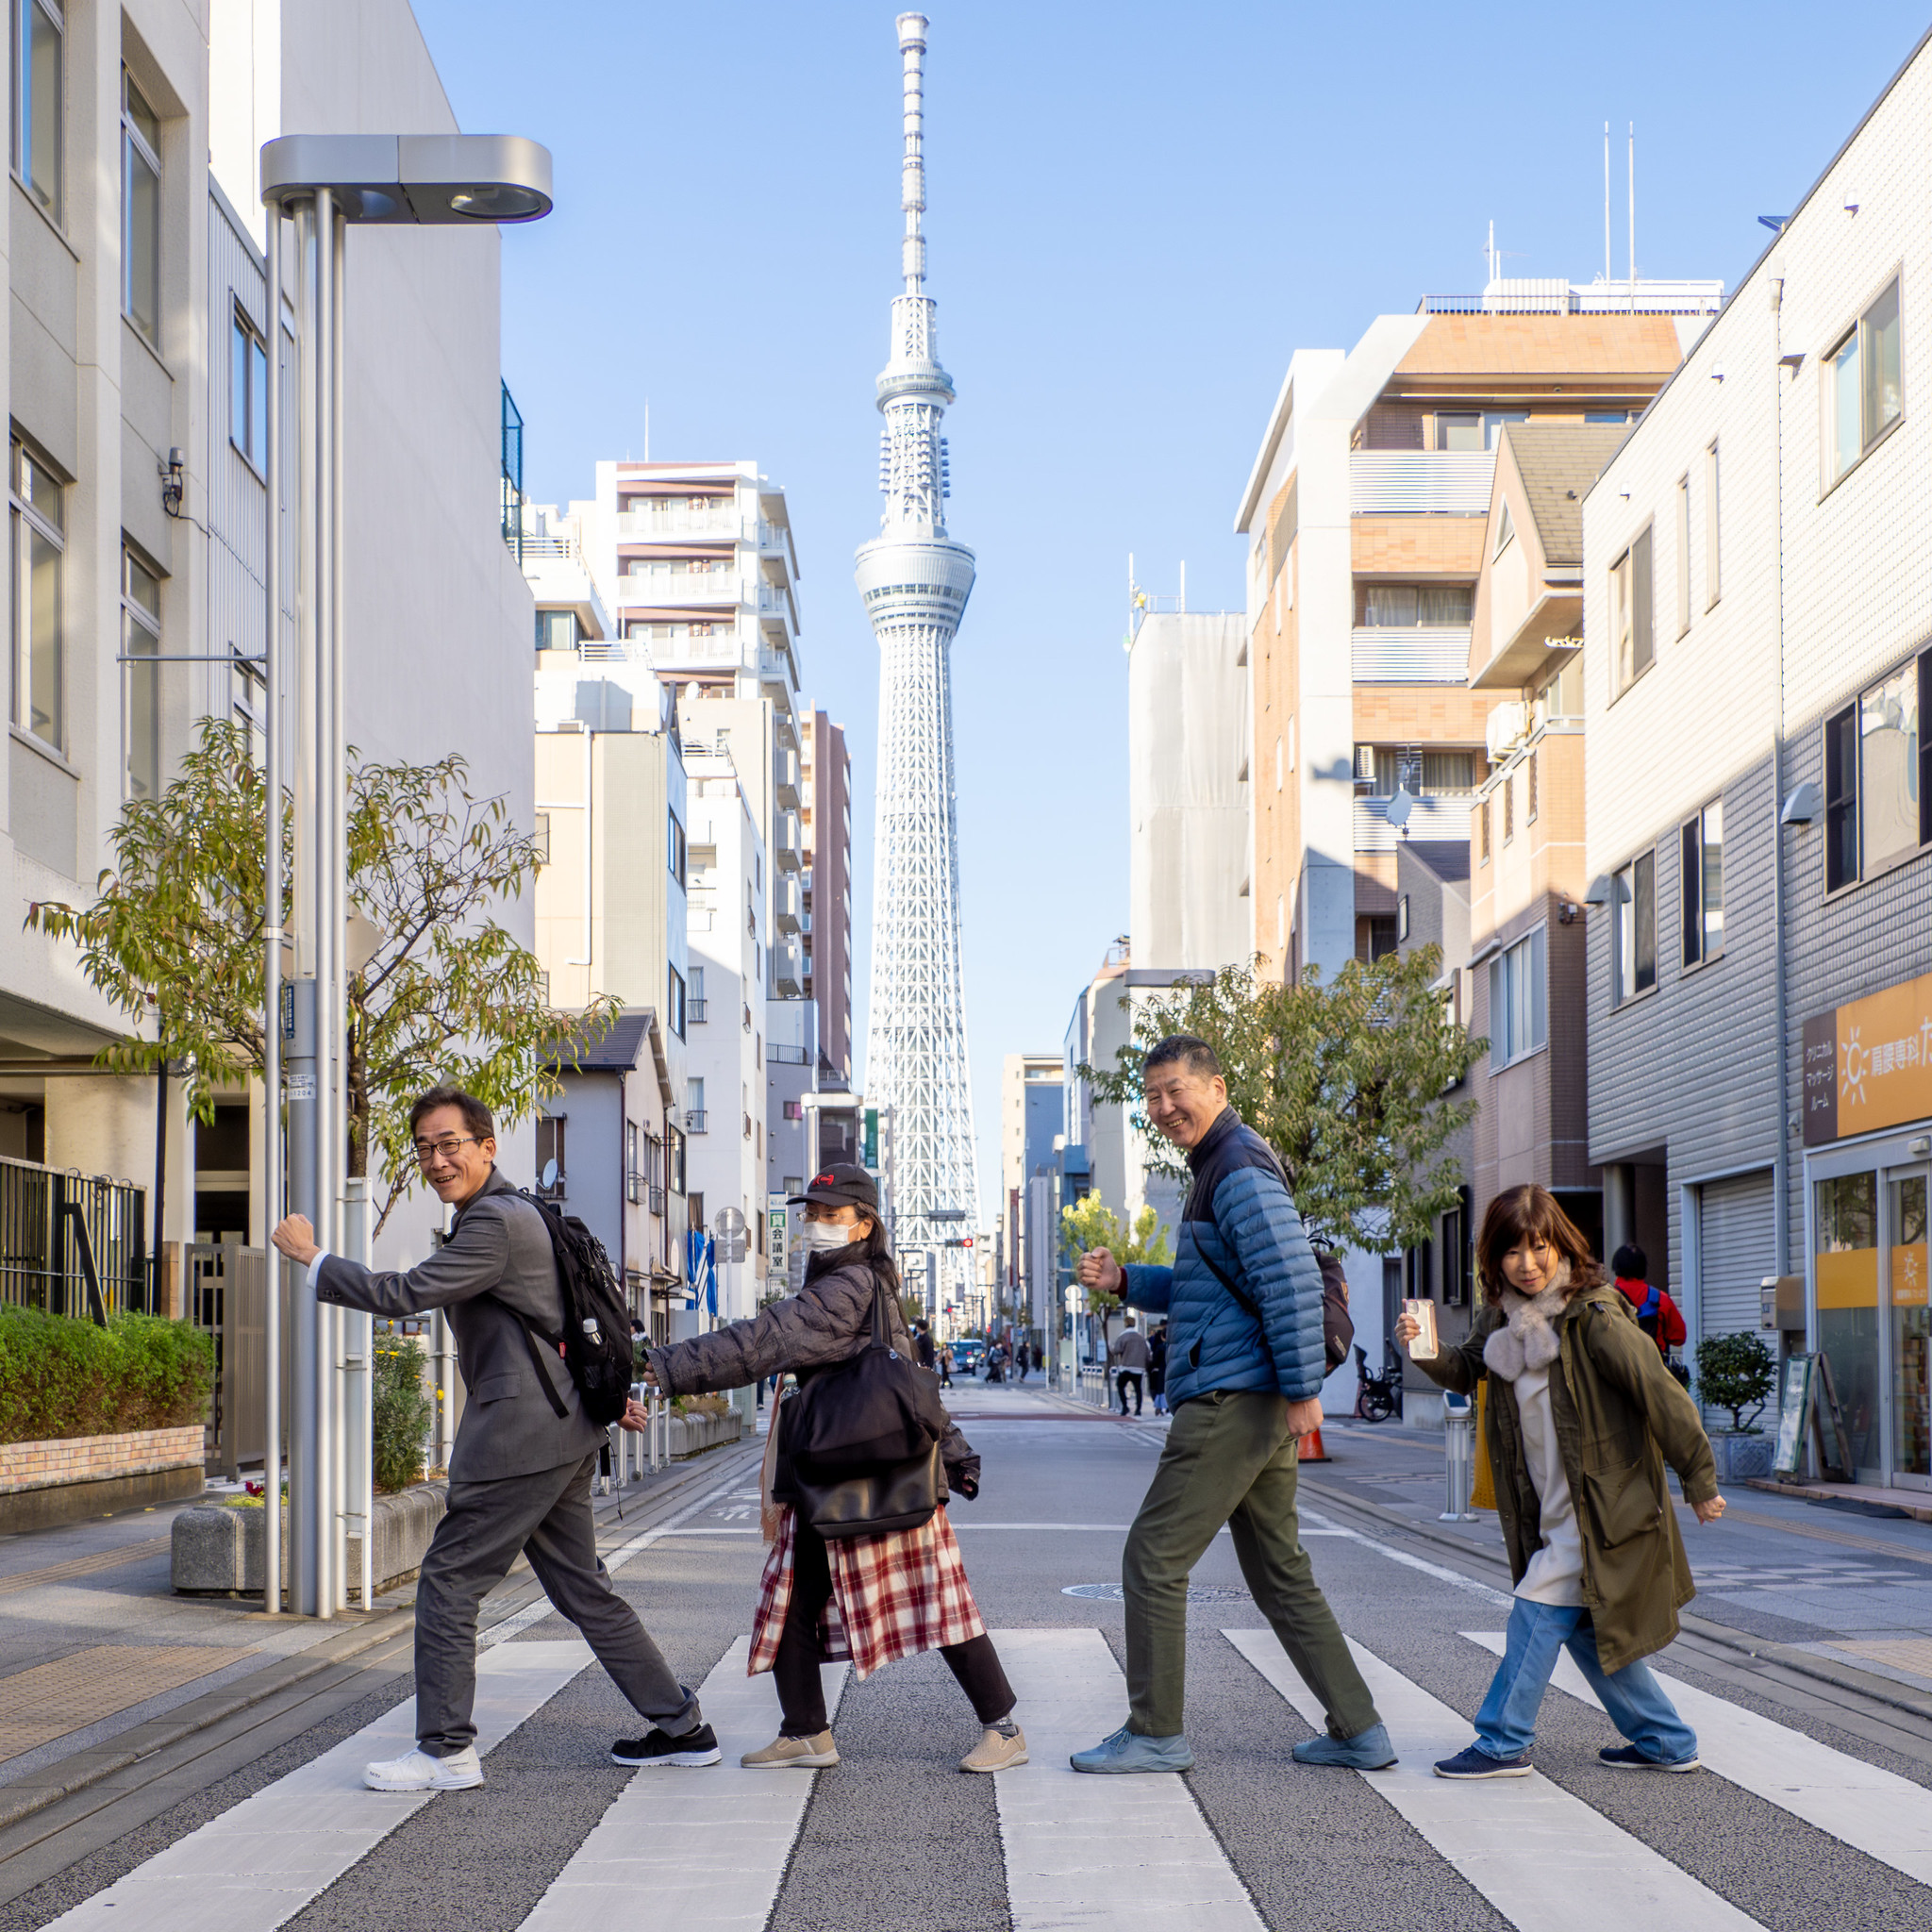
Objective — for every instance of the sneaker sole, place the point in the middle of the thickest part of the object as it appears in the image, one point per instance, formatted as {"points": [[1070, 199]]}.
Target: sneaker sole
{"points": [[819, 1760], [1133, 1770], [1650, 1764], [1469, 1778], [1344, 1764], [464, 1784], [682, 1760]]}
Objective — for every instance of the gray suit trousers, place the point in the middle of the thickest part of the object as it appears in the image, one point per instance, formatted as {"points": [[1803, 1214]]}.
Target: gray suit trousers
{"points": [[546, 1516]]}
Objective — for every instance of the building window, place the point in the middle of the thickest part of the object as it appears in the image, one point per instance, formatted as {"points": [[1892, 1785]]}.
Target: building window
{"points": [[1713, 575], [694, 1107], [695, 1001], [1633, 947], [38, 49], [1403, 606], [1519, 1000], [1632, 614], [1702, 862], [140, 638], [678, 852], [1508, 808], [1482, 813], [1474, 430], [540, 839], [248, 391], [1505, 532], [550, 1147], [633, 1181], [559, 630], [141, 212], [1683, 555], [674, 1157], [1864, 387], [676, 1003], [1402, 920], [39, 539], [1875, 768]]}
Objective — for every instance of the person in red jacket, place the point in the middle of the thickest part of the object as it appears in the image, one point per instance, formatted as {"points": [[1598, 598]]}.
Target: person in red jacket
{"points": [[1658, 1315]]}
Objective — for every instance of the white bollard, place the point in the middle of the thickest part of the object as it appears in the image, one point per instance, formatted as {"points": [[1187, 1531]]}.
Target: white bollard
{"points": [[1458, 1421]]}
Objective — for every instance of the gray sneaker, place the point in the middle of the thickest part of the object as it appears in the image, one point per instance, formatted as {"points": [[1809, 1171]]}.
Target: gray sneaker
{"points": [[1368, 1750], [1126, 1751]]}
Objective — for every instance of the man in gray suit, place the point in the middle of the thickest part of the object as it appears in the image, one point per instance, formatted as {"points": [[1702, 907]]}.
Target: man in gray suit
{"points": [[520, 1474]]}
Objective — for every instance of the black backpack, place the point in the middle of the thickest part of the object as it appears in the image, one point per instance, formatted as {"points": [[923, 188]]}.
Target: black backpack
{"points": [[595, 1342]]}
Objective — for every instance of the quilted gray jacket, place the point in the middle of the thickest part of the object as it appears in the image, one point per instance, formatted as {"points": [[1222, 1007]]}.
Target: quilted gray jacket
{"points": [[828, 1320]]}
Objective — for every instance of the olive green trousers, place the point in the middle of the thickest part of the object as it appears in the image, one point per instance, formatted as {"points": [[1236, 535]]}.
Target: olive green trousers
{"points": [[1229, 1459]]}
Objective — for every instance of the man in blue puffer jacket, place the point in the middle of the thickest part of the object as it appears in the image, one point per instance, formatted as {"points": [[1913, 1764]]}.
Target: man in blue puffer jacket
{"points": [[1245, 1369]]}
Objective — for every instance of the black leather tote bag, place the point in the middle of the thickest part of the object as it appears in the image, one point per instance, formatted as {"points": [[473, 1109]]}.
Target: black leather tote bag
{"points": [[862, 1438]]}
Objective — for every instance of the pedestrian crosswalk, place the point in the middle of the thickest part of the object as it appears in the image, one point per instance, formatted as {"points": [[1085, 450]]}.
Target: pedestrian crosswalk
{"points": [[716, 1847]]}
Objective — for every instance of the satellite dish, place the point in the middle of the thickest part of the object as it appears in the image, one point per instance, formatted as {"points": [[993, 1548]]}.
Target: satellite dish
{"points": [[1399, 808], [547, 1181]]}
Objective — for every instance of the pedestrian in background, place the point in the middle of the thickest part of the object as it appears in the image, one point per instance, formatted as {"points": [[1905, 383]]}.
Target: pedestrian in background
{"points": [[946, 1367], [1580, 1419], [520, 1472], [1023, 1358], [1658, 1315], [1156, 1369], [1246, 1362], [921, 1336], [895, 1594], [1128, 1356]]}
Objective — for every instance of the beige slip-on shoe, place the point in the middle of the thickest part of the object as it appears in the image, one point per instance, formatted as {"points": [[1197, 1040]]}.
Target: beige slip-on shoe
{"points": [[996, 1753], [794, 1754]]}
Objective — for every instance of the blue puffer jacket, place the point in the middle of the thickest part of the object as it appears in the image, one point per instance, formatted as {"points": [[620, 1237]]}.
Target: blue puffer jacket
{"points": [[1239, 1216]]}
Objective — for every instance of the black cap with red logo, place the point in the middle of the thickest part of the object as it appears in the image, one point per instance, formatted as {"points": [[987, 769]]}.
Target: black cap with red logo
{"points": [[842, 1185]]}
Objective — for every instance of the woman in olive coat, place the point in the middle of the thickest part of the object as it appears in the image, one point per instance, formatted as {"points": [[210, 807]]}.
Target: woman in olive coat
{"points": [[1582, 1417]]}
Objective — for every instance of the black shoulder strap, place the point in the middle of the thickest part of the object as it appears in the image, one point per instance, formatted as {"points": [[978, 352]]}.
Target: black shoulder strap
{"points": [[531, 1331], [556, 1402]]}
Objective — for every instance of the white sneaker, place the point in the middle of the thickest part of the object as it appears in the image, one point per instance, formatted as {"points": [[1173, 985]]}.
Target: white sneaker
{"points": [[416, 1771]]}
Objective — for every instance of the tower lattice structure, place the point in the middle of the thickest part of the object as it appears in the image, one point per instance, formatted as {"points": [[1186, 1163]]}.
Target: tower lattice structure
{"points": [[915, 581]]}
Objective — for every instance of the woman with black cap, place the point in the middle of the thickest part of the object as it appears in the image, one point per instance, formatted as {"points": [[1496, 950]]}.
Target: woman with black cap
{"points": [[825, 1600]]}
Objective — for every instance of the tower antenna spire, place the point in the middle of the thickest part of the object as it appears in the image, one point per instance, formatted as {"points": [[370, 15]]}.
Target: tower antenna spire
{"points": [[912, 167]]}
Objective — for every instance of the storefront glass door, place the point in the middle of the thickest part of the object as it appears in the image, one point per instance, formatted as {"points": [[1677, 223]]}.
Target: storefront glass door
{"points": [[1845, 1225], [1911, 1330]]}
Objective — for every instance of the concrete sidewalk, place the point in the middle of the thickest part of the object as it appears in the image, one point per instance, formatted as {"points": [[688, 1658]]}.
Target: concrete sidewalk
{"points": [[102, 1664]]}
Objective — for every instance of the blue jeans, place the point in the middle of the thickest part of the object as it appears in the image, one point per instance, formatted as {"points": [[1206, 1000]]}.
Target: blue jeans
{"points": [[1505, 1725]]}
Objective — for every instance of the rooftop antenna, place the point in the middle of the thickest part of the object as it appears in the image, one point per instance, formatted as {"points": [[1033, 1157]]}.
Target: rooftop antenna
{"points": [[1633, 217], [1606, 208]]}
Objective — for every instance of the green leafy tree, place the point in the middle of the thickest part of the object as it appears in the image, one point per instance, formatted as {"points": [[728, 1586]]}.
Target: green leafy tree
{"points": [[174, 938], [1091, 1223], [1347, 1079], [1736, 1372], [400, 1408]]}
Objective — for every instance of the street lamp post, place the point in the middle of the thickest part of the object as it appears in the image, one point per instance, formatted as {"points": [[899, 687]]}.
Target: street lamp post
{"points": [[326, 183]]}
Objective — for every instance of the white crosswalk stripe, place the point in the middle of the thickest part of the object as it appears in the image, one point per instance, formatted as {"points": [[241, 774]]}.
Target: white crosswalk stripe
{"points": [[703, 1847], [1542, 1857], [257, 1864], [1875, 1812], [1124, 1853]]}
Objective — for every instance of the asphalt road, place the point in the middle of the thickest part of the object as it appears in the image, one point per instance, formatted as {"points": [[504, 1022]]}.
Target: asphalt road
{"points": [[895, 1837]]}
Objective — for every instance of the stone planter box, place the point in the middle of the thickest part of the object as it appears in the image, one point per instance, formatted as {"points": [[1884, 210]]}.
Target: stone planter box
{"points": [[1739, 1457], [219, 1551], [692, 1435], [68, 1478]]}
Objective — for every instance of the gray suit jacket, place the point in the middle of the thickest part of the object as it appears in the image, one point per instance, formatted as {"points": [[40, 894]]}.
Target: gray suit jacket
{"points": [[497, 1258]]}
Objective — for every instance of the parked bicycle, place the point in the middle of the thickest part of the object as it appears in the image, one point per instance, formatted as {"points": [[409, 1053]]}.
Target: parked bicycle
{"points": [[1377, 1397]]}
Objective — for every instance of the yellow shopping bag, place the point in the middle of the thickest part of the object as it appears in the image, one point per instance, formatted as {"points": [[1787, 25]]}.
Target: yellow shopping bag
{"points": [[1482, 1493]]}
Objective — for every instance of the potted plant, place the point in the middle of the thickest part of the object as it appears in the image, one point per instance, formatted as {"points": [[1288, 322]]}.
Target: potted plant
{"points": [[1736, 1372]]}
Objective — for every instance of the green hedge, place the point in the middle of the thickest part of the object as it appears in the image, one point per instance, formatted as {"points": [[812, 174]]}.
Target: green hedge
{"points": [[60, 1376], [400, 1409]]}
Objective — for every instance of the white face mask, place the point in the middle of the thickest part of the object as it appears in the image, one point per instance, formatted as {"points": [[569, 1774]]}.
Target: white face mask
{"points": [[827, 1234]]}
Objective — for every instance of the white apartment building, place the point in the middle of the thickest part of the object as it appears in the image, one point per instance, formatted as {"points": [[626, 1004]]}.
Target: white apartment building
{"points": [[137, 327], [1188, 789], [724, 1112], [1758, 611]]}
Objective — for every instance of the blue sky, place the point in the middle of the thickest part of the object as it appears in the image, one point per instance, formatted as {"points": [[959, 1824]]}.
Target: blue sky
{"points": [[1136, 214]]}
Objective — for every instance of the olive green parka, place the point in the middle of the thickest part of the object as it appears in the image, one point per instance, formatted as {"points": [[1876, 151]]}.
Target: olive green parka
{"points": [[1620, 1417]]}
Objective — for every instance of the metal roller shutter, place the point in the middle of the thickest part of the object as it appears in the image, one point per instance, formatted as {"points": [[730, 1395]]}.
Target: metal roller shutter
{"points": [[1736, 1251]]}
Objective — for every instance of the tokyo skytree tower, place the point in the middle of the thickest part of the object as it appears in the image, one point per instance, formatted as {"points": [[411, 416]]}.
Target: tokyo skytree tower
{"points": [[915, 581]]}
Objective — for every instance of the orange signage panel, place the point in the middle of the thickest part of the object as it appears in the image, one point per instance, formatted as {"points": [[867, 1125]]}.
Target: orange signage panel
{"points": [[1868, 1064]]}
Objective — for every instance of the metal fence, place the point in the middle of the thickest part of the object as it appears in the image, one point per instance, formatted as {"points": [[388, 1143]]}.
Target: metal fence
{"points": [[66, 1237], [227, 1298]]}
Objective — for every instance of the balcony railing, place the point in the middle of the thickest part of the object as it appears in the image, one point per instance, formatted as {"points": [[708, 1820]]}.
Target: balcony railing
{"points": [[694, 1118], [1430, 821], [1404, 482], [663, 525], [1411, 654], [787, 1056], [694, 1010], [657, 583], [54, 1223], [657, 1200]]}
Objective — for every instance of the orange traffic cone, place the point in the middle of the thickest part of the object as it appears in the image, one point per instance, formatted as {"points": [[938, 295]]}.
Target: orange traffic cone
{"points": [[1312, 1450]]}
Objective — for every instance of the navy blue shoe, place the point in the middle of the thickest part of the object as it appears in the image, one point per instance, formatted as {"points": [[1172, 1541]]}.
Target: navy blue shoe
{"points": [[1628, 1758], [1476, 1762]]}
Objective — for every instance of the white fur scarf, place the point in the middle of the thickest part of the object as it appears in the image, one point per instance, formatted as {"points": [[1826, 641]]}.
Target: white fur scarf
{"points": [[1529, 1341]]}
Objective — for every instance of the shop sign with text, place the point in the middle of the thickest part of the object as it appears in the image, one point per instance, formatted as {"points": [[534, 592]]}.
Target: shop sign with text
{"points": [[1868, 1064]]}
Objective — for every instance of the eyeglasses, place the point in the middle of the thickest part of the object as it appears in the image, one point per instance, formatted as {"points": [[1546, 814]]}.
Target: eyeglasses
{"points": [[445, 1149]]}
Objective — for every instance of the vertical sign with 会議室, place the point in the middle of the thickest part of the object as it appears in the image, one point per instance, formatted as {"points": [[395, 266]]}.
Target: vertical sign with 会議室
{"points": [[1868, 1064]]}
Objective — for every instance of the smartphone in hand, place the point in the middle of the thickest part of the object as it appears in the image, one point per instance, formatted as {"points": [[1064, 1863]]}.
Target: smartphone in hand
{"points": [[1421, 1348]]}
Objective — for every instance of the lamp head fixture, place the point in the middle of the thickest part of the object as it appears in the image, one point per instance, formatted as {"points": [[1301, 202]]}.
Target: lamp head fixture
{"points": [[423, 180], [172, 477]]}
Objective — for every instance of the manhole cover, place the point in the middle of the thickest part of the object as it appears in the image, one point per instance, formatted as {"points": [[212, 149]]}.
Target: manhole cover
{"points": [[1198, 1593]]}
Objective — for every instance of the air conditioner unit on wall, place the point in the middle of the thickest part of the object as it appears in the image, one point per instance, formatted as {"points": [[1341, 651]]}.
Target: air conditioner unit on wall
{"points": [[1508, 725]]}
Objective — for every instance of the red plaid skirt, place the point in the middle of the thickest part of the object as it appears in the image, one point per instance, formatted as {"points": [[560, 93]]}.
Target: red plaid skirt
{"points": [[893, 1595]]}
